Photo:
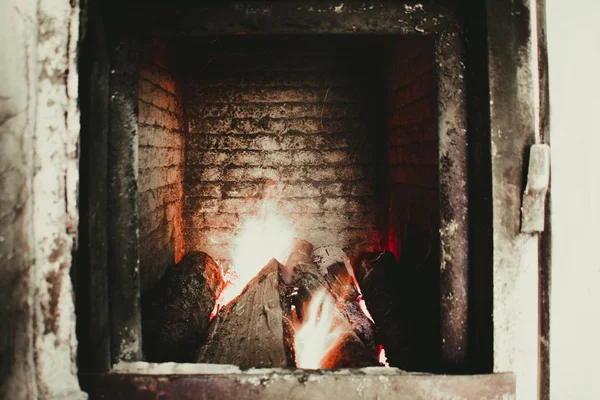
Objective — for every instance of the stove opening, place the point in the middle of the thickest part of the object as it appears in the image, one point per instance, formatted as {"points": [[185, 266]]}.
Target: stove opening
{"points": [[288, 201]]}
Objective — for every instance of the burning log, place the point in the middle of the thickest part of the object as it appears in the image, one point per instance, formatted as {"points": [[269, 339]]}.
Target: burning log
{"points": [[350, 352], [176, 312], [325, 339], [300, 254], [301, 313], [250, 330], [334, 265], [301, 279], [331, 274]]}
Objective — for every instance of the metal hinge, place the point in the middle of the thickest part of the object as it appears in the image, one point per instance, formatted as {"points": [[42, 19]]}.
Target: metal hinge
{"points": [[533, 208]]}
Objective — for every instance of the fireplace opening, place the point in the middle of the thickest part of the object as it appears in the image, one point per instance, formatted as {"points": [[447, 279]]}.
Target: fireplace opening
{"points": [[288, 202]]}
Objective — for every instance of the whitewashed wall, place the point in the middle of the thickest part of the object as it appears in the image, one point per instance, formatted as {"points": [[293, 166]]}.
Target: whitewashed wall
{"points": [[574, 60], [39, 135]]}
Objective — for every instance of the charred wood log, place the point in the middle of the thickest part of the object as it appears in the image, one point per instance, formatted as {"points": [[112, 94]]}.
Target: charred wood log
{"points": [[350, 352], [326, 340], [300, 254], [176, 313], [249, 331], [378, 276], [332, 273], [334, 265], [306, 282], [300, 279]]}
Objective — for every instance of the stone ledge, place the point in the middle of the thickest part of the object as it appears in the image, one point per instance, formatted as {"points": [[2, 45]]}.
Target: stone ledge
{"points": [[202, 381]]}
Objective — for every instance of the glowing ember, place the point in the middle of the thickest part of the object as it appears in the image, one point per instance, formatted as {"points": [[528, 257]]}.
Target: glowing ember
{"points": [[320, 332], [262, 237], [382, 357]]}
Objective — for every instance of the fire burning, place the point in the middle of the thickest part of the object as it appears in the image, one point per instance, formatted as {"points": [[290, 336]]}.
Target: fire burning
{"points": [[320, 332], [266, 235], [322, 337]]}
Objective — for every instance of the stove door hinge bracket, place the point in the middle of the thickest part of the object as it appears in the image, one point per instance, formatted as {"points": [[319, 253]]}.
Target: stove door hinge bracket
{"points": [[533, 207]]}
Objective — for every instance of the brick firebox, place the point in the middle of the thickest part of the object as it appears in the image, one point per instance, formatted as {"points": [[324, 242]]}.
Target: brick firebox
{"points": [[340, 131]]}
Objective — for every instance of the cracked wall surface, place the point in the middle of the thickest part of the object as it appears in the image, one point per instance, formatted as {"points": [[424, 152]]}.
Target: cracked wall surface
{"points": [[39, 134]]}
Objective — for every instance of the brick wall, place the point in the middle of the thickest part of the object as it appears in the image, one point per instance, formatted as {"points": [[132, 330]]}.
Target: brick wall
{"points": [[288, 117], [340, 131], [413, 150], [161, 157], [413, 222]]}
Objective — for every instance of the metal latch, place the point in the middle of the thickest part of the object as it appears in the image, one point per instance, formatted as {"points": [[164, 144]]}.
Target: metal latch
{"points": [[533, 208]]}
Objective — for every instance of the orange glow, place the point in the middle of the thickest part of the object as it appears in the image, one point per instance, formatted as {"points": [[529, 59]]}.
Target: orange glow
{"points": [[382, 357], [261, 237], [320, 332]]}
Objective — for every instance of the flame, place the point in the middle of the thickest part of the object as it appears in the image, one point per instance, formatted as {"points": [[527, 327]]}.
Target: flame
{"points": [[263, 236], [363, 306], [320, 332], [382, 357]]}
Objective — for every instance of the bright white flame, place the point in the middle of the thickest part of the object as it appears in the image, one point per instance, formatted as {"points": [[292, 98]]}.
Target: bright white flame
{"points": [[382, 357], [263, 236], [320, 332], [363, 306]]}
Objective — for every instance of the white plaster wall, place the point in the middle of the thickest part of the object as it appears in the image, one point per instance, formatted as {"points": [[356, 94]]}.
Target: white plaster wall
{"points": [[574, 65], [54, 195], [39, 137], [18, 33]]}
